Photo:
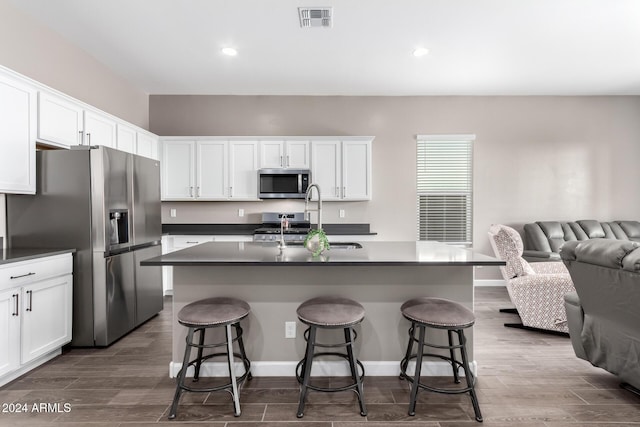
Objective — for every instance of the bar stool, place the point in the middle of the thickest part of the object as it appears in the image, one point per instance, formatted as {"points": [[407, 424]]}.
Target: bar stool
{"points": [[200, 316], [330, 313], [444, 314]]}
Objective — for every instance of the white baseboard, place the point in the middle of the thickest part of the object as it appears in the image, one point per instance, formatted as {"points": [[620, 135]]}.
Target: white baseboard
{"points": [[486, 282], [29, 366], [320, 369]]}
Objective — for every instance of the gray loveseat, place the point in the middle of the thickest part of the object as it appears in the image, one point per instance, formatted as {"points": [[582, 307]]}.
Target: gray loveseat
{"points": [[603, 315], [543, 239]]}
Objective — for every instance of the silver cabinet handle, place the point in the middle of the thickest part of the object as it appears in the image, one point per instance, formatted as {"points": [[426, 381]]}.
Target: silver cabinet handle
{"points": [[337, 191], [198, 192], [16, 312], [81, 137], [30, 308], [192, 242], [344, 191], [190, 191], [288, 164], [22, 275], [281, 161], [88, 139], [230, 191]]}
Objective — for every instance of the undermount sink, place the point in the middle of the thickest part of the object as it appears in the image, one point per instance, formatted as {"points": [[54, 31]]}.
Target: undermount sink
{"points": [[333, 245]]}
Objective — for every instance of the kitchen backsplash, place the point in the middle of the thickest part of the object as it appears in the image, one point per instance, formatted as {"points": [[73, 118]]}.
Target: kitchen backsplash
{"points": [[228, 212]]}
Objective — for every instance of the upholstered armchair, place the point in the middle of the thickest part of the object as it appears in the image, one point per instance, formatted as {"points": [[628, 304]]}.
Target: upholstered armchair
{"points": [[537, 290]]}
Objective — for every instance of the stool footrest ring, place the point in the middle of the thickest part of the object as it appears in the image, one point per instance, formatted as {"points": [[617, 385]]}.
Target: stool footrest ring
{"points": [[299, 369]]}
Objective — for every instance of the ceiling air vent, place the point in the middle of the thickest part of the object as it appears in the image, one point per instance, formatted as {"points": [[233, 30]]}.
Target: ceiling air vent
{"points": [[315, 16]]}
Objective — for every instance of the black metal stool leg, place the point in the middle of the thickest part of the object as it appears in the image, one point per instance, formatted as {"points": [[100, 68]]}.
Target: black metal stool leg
{"points": [[469, 375], [306, 367], [405, 362], [232, 372], [456, 377], [354, 371], [196, 375], [182, 374], [242, 352], [416, 377]]}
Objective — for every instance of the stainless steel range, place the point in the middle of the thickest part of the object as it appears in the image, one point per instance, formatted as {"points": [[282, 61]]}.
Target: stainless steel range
{"points": [[294, 227]]}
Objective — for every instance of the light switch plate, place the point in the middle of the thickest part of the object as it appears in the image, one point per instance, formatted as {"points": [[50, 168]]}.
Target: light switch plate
{"points": [[342, 213], [173, 213]]}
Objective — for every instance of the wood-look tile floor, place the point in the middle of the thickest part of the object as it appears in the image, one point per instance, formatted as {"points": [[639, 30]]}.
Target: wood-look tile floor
{"points": [[526, 379]]}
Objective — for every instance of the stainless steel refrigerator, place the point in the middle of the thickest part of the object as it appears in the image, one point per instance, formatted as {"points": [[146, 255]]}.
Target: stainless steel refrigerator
{"points": [[105, 203]]}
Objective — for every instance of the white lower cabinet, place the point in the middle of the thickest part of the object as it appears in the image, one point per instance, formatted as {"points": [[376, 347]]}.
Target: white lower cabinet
{"points": [[35, 312], [9, 331], [46, 316]]}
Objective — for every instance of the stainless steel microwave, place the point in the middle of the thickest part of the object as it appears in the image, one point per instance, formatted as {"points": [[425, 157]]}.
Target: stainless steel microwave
{"points": [[283, 183]]}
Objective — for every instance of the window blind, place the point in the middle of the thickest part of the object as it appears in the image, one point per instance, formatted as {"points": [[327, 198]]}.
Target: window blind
{"points": [[445, 188]]}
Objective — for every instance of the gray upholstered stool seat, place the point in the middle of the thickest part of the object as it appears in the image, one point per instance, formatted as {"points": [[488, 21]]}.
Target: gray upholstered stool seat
{"points": [[438, 313], [330, 313], [213, 312], [198, 316]]}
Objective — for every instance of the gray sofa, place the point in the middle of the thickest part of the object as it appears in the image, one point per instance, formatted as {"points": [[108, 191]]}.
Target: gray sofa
{"points": [[603, 315], [543, 239]]}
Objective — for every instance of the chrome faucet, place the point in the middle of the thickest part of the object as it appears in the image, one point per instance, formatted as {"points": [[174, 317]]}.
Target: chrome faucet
{"points": [[284, 224], [307, 211]]}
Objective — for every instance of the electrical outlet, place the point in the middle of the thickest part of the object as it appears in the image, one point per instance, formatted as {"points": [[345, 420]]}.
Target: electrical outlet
{"points": [[342, 213], [240, 212], [173, 213], [289, 329]]}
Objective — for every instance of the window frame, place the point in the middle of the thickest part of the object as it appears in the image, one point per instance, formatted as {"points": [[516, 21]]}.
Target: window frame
{"points": [[452, 190]]}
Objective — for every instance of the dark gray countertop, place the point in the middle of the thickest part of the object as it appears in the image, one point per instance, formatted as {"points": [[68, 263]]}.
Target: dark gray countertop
{"points": [[241, 229], [371, 253], [16, 255]]}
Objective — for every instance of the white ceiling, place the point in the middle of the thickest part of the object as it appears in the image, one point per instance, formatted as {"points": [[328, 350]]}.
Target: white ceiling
{"points": [[476, 47]]}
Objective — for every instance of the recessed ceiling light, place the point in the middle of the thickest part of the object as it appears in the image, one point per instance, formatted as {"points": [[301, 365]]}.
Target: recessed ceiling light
{"points": [[229, 51], [420, 51]]}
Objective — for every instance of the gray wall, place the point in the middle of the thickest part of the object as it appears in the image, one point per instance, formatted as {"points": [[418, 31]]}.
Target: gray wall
{"points": [[536, 158], [29, 48]]}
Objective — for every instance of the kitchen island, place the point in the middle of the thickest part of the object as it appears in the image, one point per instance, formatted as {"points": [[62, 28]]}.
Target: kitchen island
{"points": [[274, 281]]}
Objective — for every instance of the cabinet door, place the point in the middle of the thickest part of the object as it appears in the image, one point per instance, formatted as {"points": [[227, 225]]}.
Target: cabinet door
{"points": [[297, 155], [9, 331], [212, 170], [147, 146], [178, 170], [46, 316], [243, 170], [60, 121], [126, 139], [356, 170], [272, 154], [17, 136], [99, 130], [325, 168]]}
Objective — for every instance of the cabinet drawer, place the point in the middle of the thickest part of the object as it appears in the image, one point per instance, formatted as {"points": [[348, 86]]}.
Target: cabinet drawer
{"points": [[18, 273], [180, 242]]}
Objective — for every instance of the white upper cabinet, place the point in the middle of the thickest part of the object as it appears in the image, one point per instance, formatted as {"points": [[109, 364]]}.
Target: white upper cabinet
{"points": [[148, 145], [243, 166], [60, 121], [126, 138], [18, 102], [342, 168], [202, 170], [284, 154], [356, 170], [64, 123], [99, 129], [178, 170], [212, 168], [325, 168], [212, 181]]}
